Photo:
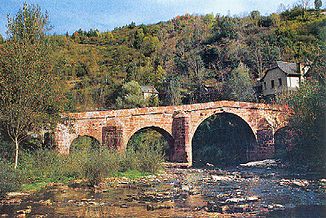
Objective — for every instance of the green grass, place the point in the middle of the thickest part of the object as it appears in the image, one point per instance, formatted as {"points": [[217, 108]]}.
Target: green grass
{"points": [[36, 186], [41, 183], [132, 174]]}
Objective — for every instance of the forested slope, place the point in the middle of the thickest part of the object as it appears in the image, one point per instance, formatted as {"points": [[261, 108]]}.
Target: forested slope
{"points": [[189, 59]]}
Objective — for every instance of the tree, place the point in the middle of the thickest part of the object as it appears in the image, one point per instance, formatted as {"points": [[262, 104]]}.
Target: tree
{"points": [[30, 94], [240, 84], [138, 38], [309, 120], [1, 39], [304, 5], [173, 91], [131, 96], [149, 45], [255, 16], [318, 4], [29, 24]]}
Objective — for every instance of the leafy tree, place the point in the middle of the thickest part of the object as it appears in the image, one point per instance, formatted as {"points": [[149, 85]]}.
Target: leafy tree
{"points": [[309, 119], [30, 94], [240, 84], [1, 39], [318, 4], [255, 16], [131, 96], [153, 101], [139, 36], [173, 91], [226, 28], [149, 45]]}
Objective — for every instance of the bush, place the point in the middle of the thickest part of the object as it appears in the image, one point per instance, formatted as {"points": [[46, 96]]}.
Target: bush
{"points": [[73, 164], [10, 179], [150, 160], [101, 164], [7, 150], [43, 166], [129, 161]]}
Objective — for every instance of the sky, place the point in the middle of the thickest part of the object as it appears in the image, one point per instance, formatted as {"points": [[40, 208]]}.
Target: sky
{"points": [[70, 15]]}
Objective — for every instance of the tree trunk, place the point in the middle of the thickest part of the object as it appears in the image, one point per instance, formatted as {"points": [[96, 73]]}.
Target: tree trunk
{"points": [[16, 152]]}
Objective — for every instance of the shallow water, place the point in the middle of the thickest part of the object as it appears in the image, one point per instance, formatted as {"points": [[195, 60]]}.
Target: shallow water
{"points": [[184, 193]]}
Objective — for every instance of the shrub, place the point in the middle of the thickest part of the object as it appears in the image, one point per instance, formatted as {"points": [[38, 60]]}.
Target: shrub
{"points": [[41, 164], [129, 161], [73, 164], [10, 179], [44, 166], [7, 150], [150, 160], [101, 164]]}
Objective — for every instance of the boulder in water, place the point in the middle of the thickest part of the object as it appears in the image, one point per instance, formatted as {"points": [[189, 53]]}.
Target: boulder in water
{"points": [[262, 163]]}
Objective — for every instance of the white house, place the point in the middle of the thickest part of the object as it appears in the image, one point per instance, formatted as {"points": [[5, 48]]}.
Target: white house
{"points": [[284, 77]]}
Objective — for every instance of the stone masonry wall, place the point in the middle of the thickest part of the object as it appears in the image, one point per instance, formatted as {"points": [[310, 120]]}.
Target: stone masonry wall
{"points": [[114, 128]]}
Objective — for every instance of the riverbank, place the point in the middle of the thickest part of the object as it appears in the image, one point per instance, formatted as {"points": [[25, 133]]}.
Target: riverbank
{"points": [[37, 169], [238, 192]]}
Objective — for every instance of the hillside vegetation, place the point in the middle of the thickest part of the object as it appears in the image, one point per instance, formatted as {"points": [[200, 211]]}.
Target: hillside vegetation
{"points": [[189, 59]]}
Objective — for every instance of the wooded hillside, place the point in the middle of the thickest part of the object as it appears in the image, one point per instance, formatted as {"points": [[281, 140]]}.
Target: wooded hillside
{"points": [[189, 59]]}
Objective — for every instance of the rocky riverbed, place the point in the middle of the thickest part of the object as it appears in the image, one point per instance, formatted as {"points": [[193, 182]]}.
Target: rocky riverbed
{"points": [[229, 192]]}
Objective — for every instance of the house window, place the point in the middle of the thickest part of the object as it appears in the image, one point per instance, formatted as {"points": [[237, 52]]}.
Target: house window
{"points": [[272, 84], [279, 82], [265, 87]]}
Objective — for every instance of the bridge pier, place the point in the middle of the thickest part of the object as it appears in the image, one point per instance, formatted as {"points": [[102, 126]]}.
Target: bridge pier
{"points": [[265, 142], [112, 137], [182, 151]]}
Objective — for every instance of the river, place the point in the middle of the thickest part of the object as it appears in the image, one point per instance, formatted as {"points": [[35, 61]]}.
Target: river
{"points": [[228, 192]]}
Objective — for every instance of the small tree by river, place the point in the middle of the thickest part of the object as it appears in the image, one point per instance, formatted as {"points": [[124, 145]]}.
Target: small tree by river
{"points": [[30, 93]]}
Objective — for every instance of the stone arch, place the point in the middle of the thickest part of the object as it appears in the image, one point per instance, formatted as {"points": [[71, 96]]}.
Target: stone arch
{"points": [[263, 123], [166, 134], [92, 139], [232, 123], [208, 115]]}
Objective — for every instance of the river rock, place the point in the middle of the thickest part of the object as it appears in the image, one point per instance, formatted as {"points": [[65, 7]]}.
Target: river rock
{"points": [[294, 183], [235, 200], [209, 164], [92, 203], [16, 194], [46, 202], [124, 206], [185, 188], [252, 198], [25, 211], [238, 208], [213, 207], [222, 178], [262, 163], [166, 205]]}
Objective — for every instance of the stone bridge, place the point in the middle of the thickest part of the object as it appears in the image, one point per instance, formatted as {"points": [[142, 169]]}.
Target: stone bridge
{"points": [[178, 124]]}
